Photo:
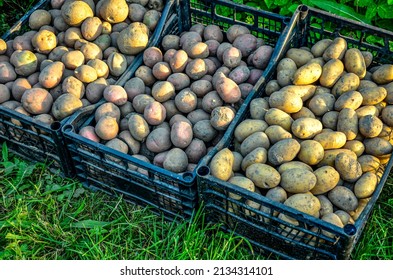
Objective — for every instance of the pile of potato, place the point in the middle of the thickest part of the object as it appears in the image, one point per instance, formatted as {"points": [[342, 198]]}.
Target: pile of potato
{"points": [[318, 138], [183, 97], [72, 53]]}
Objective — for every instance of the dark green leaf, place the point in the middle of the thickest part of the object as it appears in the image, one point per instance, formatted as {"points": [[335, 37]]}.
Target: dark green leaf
{"points": [[339, 9], [385, 11], [4, 152], [371, 11], [363, 3]]}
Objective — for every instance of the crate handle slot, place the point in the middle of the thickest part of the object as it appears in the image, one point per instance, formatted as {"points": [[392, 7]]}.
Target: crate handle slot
{"points": [[55, 126], [350, 229], [68, 128], [203, 170], [303, 9], [188, 177]]}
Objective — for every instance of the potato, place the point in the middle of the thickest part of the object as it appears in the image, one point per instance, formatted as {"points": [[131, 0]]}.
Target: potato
{"points": [[369, 163], [181, 134], [258, 155], [7, 72], [327, 179], [107, 109], [24, 61], [304, 112], [331, 72], [133, 39], [37, 101], [326, 205], [283, 151], [75, 12], [134, 146], [321, 103], [348, 167], [186, 101], [304, 202], [330, 156], [178, 118], [276, 116], [163, 91], [306, 128], [311, 152], [285, 101], [195, 151], [238, 158], [347, 82], [299, 56], [19, 86], [378, 147], [138, 127], [344, 217], [258, 108], [179, 61], [248, 127], [276, 133], [336, 49], [307, 74], [236, 30], [240, 74], [3, 47], [370, 126], [298, 180], [246, 43], [355, 63], [180, 81], [204, 130], [263, 176], [351, 99], [158, 140], [134, 87], [331, 139], [211, 100], [348, 123], [221, 117], [272, 86], [255, 140], [176, 160], [366, 185], [373, 96], [74, 86], [154, 113], [221, 164], [196, 68], [261, 56], [285, 77], [319, 47], [5, 93], [243, 183], [383, 74], [170, 42], [343, 198], [44, 41]]}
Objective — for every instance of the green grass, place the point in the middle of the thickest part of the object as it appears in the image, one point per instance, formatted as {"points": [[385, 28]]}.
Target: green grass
{"points": [[44, 216]]}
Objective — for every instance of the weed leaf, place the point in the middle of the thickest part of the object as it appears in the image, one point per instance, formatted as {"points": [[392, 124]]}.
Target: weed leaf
{"points": [[89, 224]]}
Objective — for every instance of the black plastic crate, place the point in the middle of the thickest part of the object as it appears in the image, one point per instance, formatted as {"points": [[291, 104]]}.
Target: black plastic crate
{"points": [[312, 238], [174, 195], [25, 137], [35, 141]]}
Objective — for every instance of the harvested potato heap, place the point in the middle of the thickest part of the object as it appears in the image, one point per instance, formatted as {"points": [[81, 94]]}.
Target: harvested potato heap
{"points": [[183, 97], [71, 54], [316, 141]]}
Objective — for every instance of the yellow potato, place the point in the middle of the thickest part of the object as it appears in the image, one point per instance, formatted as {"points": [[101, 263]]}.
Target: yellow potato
{"points": [[348, 167], [304, 202], [331, 139], [221, 164], [285, 101], [350, 99], [319, 47], [343, 198], [264, 176], [298, 180], [347, 82], [243, 183], [306, 128], [383, 74], [311, 152], [348, 123], [283, 151], [366, 185], [248, 127], [327, 179], [331, 72], [307, 74], [299, 56], [336, 49], [276, 116], [355, 63]]}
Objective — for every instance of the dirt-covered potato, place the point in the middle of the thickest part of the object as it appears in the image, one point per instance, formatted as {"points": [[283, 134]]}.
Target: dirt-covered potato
{"points": [[331, 139], [134, 145], [89, 133], [74, 86], [348, 167], [283, 151], [377, 147], [158, 140], [383, 74], [276, 116], [304, 202], [133, 39], [366, 185], [297, 180], [347, 123], [163, 91], [221, 164], [263, 176], [347, 82], [181, 134], [322, 103], [24, 61], [65, 105], [307, 74], [255, 140], [285, 101], [176, 160], [154, 113], [138, 127], [221, 117], [311, 152], [327, 179], [336, 49], [75, 12], [195, 151], [243, 183], [37, 101], [343, 198], [204, 130], [299, 56], [306, 128]]}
